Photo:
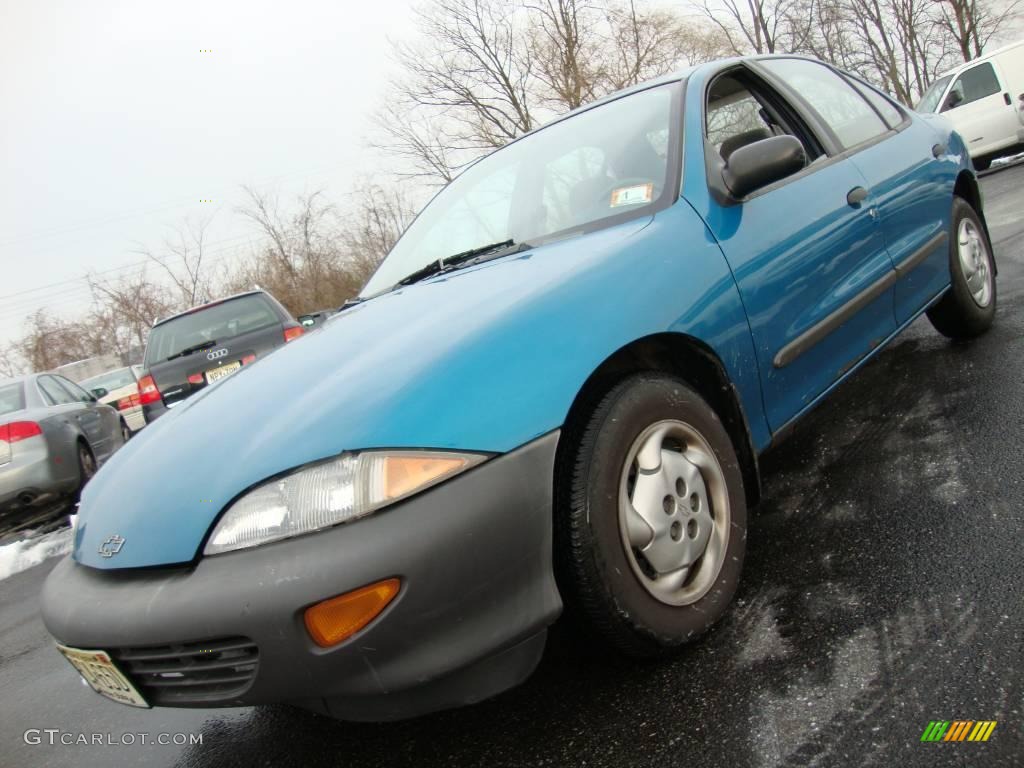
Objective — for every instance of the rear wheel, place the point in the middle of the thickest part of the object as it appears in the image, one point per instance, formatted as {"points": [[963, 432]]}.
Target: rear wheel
{"points": [[655, 533], [969, 306], [126, 433], [86, 465]]}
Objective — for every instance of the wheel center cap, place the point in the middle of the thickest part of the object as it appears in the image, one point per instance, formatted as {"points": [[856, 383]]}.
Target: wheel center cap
{"points": [[672, 501]]}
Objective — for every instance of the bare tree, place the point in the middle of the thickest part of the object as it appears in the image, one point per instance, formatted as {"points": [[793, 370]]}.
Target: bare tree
{"points": [[972, 23], [469, 67], [372, 227], [762, 26], [125, 309], [183, 258], [50, 341]]}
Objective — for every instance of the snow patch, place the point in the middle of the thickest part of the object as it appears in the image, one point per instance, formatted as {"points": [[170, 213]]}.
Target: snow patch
{"points": [[21, 555]]}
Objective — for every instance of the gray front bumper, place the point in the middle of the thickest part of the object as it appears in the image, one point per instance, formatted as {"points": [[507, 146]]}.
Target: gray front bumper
{"points": [[478, 592]]}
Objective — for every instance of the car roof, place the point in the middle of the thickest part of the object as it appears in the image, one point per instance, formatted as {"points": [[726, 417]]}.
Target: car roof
{"points": [[198, 307]]}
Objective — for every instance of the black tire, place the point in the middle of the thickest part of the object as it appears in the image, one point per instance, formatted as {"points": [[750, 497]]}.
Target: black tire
{"points": [[982, 163], [126, 434], [601, 580], [958, 314], [86, 465]]}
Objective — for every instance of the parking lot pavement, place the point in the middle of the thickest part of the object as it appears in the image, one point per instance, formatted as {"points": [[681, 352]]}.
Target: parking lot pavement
{"points": [[883, 590]]}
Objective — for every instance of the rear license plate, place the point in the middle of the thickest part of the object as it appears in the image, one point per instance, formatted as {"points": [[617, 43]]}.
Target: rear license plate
{"points": [[99, 672], [223, 372]]}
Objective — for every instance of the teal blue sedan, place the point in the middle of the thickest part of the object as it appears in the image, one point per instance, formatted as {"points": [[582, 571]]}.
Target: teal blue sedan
{"points": [[553, 392]]}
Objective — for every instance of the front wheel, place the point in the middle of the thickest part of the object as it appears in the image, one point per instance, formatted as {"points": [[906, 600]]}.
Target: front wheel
{"points": [[654, 536], [969, 306]]}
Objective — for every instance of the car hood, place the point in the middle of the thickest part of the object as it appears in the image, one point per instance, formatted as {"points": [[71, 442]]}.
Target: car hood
{"points": [[482, 359]]}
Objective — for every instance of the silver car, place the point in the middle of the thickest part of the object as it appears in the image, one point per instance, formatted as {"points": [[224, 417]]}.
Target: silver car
{"points": [[53, 437]]}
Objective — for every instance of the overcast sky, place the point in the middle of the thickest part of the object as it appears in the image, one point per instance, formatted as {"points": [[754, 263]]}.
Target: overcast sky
{"points": [[114, 124]]}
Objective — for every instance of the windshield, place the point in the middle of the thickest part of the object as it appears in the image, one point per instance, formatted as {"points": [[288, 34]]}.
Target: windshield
{"points": [[930, 100], [12, 398], [110, 380], [216, 323], [590, 170]]}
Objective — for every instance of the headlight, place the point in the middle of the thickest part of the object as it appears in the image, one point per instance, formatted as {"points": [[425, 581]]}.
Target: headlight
{"points": [[331, 492]]}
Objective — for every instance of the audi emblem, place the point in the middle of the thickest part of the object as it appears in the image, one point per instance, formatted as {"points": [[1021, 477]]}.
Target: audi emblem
{"points": [[216, 353]]}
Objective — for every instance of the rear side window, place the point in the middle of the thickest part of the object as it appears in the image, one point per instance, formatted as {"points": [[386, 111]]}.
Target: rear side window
{"points": [[882, 105], [849, 116], [217, 323], [54, 392], [12, 398], [976, 83]]}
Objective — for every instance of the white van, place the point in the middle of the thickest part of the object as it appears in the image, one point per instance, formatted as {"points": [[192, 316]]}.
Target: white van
{"points": [[984, 99]]}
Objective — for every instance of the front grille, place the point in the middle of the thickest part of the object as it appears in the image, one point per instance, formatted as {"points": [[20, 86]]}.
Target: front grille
{"points": [[187, 673]]}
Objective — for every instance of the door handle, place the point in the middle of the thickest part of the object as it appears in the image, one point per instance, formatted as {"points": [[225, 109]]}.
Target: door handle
{"points": [[856, 196], [1007, 99]]}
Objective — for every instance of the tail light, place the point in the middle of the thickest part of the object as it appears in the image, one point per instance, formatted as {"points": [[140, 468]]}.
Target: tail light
{"points": [[148, 391], [19, 430], [195, 378], [248, 359], [290, 334], [127, 403]]}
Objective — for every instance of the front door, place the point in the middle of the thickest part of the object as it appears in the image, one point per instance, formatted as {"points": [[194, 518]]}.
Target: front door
{"points": [[807, 253]]}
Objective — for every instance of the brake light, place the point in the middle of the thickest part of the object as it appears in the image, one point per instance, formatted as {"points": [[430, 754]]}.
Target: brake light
{"points": [[290, 334], [148, 391], [127, 403], [195, 378], [19, 430], [248, 359]]}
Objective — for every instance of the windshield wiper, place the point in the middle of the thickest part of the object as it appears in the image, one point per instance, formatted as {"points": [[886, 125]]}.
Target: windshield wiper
{"points": [[191, 350], [465, 258]]}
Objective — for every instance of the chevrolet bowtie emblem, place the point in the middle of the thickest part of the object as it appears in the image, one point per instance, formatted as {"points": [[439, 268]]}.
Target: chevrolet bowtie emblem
{"points": [[111, 546]]}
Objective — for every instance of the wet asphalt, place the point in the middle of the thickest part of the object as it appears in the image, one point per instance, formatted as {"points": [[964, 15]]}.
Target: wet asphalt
{"points": [[883, 589]]}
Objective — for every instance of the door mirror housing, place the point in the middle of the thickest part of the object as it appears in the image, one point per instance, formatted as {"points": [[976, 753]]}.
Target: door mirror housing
{"points": [[98, 392], [954, 100], [762, 163]]}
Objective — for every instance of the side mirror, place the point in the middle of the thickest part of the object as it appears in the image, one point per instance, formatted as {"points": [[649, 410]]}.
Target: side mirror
{"points": [[955, 99], [99, 392], [307, 321], [761, 163]]}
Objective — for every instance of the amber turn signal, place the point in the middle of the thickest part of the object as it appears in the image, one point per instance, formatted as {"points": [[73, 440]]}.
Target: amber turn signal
{"points": [[338, 618]]}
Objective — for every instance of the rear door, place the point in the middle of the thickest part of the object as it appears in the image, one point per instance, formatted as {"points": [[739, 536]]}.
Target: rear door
{"points": [[807, 253], [982, 109], [912, 192]]}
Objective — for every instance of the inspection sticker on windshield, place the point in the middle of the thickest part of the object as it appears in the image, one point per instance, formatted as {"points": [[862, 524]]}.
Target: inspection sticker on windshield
{"points": [[635, 195]]}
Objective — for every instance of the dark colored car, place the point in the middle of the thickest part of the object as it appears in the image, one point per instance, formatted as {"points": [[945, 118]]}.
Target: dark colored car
{"points": [[189, 351], [53, 436]]}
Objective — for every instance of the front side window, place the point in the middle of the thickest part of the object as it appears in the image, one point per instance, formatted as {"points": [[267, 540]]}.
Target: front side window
{"points": [[76, 392], [974, 84], [849, 116], [54, 392], [930, 100], [581, 173]]}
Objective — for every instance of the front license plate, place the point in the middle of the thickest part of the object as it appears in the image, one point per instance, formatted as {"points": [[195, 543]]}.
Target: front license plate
{"points": [[99, 672], [221, 373]]}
